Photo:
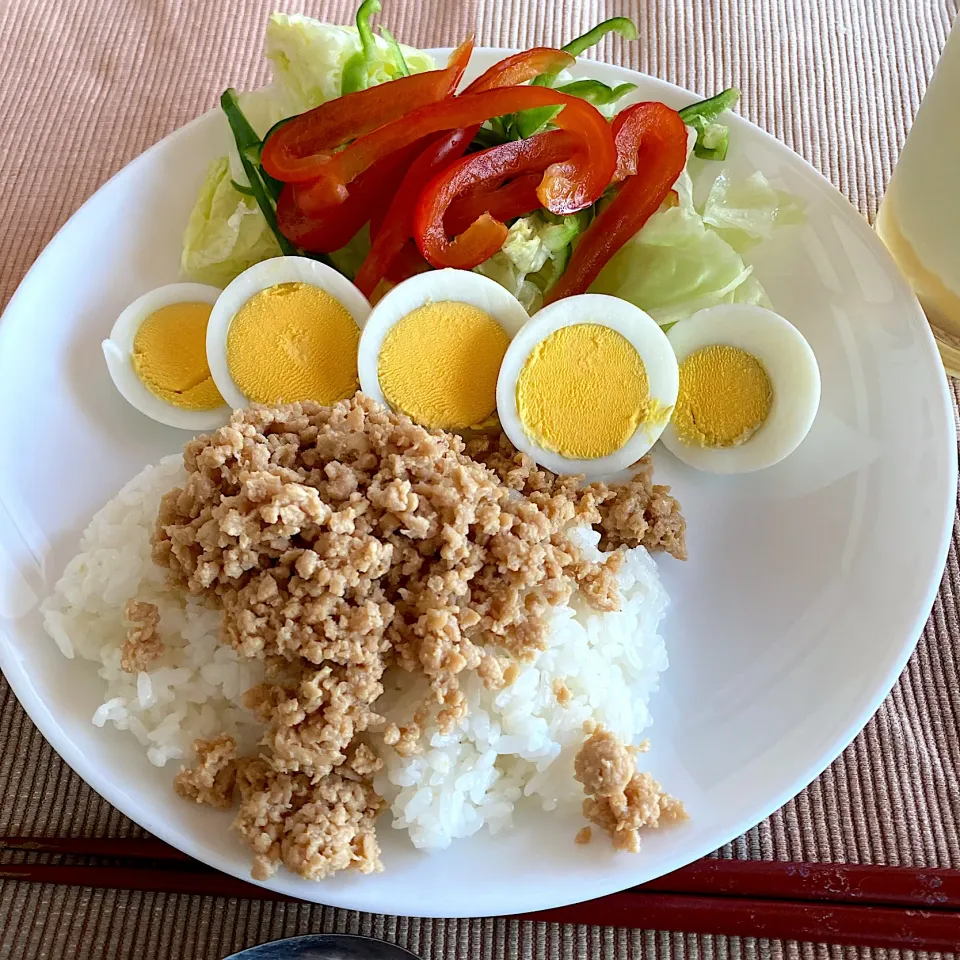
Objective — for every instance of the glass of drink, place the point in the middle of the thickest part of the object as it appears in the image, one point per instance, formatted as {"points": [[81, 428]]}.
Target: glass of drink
{"points": [[919, 218]]}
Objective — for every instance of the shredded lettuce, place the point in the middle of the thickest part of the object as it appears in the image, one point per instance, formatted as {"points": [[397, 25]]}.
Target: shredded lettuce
{"points": [[227, 233], [751, 291], [533, 255], [674, 266]]}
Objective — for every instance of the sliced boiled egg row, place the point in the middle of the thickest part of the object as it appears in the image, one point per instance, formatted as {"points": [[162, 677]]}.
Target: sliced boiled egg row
{"points": [[749, 389], [156, 356], [286, 330], [587, 386], [432, 348]]}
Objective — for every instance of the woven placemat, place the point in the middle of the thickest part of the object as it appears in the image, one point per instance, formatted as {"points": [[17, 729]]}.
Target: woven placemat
{"points": [[86, 85]]}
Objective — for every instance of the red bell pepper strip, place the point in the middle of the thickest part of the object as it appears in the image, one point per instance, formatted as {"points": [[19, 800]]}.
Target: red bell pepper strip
{"points": [[336, 226], [521, 67], [488, 168], [510, 71], [397, 226], [514, 199], [653, 141], [407, 263], [391, 231], [288, 154], [567, 186]]}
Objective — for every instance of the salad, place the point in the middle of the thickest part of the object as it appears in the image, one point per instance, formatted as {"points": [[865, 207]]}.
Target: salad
{"points": [[364, 154]]}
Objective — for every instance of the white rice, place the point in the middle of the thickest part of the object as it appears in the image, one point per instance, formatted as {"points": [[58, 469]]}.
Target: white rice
{"points": [[513, 744], [520, 741], [194, 689]]}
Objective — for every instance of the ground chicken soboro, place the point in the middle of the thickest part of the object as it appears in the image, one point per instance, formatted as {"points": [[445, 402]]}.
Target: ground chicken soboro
{"points": [[632, 514], [340, 540], [143, 644], [213, 778], [620, 800]]}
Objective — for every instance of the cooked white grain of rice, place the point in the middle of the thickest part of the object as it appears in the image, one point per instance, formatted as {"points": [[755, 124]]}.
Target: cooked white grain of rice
{"points": [[513, 743], [521, 741], [194, 689]]}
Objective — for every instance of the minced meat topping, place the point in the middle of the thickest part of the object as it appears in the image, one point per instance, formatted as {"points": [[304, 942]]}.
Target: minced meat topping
{"points": [[341, 540], [620, 800], [143, 644]]}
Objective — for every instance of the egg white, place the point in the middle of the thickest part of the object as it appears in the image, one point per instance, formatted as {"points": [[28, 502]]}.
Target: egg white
{"points": [[261, 276], [118, 353], [462, 286], [640, 329], [794, 376]]}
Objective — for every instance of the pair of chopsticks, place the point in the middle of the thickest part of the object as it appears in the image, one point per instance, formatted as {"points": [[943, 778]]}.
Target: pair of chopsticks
{"points": [[848, 905]]}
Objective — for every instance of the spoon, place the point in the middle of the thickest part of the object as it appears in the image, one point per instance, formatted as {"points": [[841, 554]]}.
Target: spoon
{"points": [[324, 946]]}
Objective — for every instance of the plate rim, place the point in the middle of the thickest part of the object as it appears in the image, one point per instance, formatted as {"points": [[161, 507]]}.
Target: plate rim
{"points": [[43, 718]]}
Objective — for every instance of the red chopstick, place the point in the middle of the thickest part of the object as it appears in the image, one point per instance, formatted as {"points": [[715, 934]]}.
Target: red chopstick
{"points": [[146, 848], [176, 880], [907, 887], [850, 905], [859, 884], [857, 926]]}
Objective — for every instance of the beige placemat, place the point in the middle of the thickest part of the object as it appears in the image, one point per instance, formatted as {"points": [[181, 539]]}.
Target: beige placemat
{"points": [[86, 85]]}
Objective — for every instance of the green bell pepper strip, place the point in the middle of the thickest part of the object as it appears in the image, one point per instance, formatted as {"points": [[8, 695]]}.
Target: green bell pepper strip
{"points": [[355, 70], [712, 107], [713, 138], [597, 93], [525, 126], [486, 137], [247, 143], [398, 57], [529, 122], [622, 25]]}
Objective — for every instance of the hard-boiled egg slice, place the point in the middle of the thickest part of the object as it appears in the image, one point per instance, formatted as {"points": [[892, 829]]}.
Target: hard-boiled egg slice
{"points": [[749, 389], [118, 351], [290, 326], [432, 347], [587, 386]]}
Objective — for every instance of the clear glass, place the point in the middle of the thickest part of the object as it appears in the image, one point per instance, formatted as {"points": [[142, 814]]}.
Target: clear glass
{"points": [[919, 218]]}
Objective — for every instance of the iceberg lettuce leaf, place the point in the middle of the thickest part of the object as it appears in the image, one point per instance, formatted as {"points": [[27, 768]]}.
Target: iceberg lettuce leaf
{"points": [[747, 210], [226, 232], [683, 261], [675, 265], [308, 58]]}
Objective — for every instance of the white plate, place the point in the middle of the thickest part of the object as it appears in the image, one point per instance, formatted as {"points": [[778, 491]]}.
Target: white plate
{"points": [[807, 586]]}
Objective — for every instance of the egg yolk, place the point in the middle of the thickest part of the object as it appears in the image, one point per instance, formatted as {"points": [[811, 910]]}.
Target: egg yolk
{"points": [[583, 392], [725, 397], [293, 342], [439, 365], [170, 356]]}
